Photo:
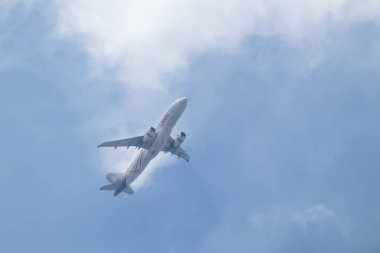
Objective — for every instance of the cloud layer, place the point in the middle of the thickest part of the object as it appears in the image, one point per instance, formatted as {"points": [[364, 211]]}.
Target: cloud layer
{"points": [[149, 43]]}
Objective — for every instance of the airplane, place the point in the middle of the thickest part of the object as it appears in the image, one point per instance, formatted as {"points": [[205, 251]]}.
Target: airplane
{"points": [[150, 144]]}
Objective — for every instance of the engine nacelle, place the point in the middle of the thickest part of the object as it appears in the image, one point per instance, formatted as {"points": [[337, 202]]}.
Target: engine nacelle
{"points": [[180, 138], [149, 135]]}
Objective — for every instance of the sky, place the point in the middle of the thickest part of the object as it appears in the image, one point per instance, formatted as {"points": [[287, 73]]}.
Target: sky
{"points": [[282, 125]]}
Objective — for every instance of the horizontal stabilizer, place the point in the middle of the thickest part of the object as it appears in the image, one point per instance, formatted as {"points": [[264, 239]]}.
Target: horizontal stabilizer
{"points": [[109, 187]]}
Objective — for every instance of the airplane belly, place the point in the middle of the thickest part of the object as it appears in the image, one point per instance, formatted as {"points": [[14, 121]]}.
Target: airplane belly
{"points": [[138, 165], [145, 156]]}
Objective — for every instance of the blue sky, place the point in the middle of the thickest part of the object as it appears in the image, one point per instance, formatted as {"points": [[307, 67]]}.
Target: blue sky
{"points": [[282, 125]]}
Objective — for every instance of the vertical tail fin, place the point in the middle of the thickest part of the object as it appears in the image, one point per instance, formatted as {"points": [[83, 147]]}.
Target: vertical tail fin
{"points": [[118, 185]]}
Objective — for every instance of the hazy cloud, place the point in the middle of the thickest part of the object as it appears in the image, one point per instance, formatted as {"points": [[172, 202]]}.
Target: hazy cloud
{"points": [[313, 214], [9, 58], [7, 5]]}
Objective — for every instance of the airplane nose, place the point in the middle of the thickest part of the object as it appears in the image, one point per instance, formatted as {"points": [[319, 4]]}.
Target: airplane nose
{"points": [[181, 103]]}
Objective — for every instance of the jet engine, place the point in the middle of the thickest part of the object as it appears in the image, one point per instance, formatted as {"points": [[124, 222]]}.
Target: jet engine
{"points": [[149, 135], [180, 138]]}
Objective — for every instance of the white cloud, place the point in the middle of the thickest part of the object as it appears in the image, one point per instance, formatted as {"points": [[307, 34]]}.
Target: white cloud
{"points": [[313, 214], [148, 42]]}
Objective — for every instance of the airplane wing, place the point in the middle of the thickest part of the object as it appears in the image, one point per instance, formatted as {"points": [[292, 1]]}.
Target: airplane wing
{"points": [[179, 152], [134, 142]]}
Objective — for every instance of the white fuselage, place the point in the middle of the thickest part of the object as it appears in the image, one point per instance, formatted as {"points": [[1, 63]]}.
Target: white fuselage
{"points": [[163, 130]]}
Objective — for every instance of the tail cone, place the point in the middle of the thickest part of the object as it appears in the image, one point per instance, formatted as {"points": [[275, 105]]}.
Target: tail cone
{"points": [[120, 188]]}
